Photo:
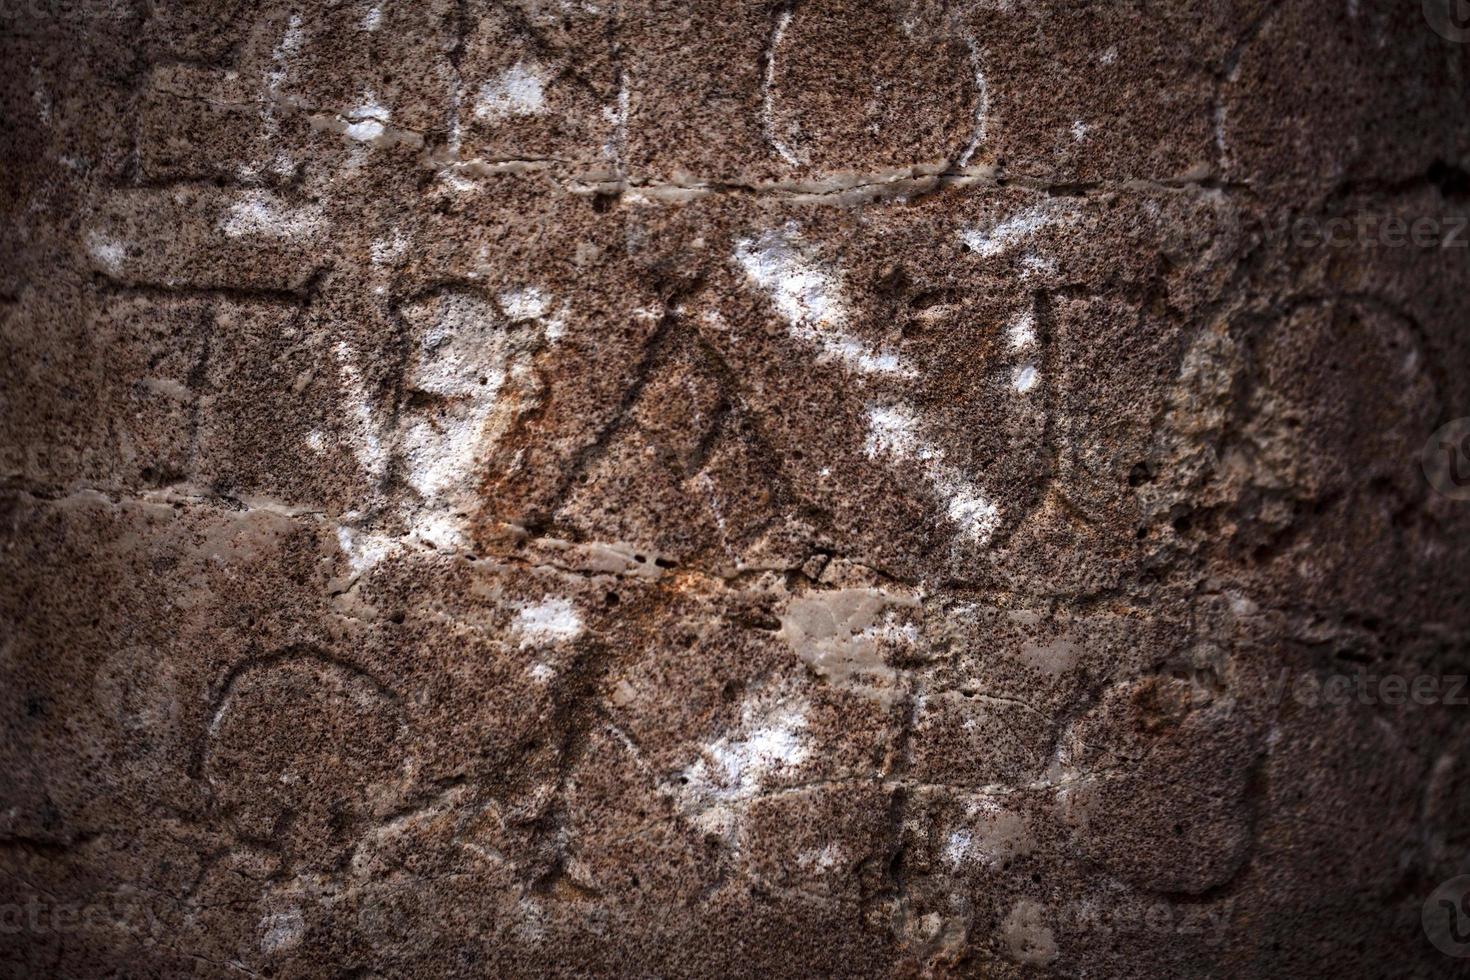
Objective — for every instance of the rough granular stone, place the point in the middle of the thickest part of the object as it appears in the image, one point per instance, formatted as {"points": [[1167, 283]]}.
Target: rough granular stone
{"points": [[705, 489]]}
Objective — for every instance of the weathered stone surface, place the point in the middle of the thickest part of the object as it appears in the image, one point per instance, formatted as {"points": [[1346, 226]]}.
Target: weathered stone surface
{"points": [[698, 489]]}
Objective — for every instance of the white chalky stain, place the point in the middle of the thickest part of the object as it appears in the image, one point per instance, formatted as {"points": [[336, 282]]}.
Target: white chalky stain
{"points": [[368, 121], [455, 182], [1009, 232], [994, 839], [893, 432], [363, 550], [259, 214], [1033, 264], [1022, 330], [519, 91], [289, 47], [281, 930], [385, 251], [373, 19], [768, 109], [282, 164], [525, 304], [774, 747], [1024, 377], [736, 766], [614, 148], [822, 859], [982, 104], [366, 445], [108, 252], [43, 105], [464, 357], [810, 300], [439, 530], [532, 303], [957, 848], [552, 620], [456, 99], [441, 453], [480, 365]]}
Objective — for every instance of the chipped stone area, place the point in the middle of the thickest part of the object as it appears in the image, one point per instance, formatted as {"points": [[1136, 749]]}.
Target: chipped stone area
{"points": [[808, 489]]}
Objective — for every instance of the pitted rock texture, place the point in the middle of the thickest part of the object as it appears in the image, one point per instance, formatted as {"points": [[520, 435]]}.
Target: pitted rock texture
{"points": [[727, 489]]}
